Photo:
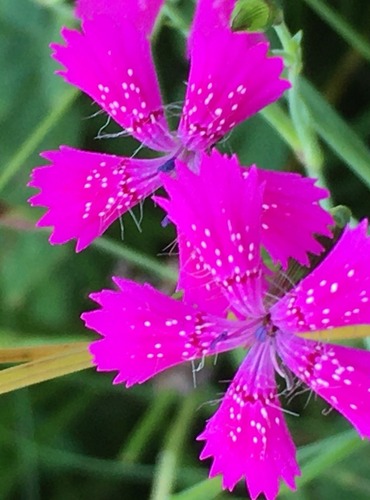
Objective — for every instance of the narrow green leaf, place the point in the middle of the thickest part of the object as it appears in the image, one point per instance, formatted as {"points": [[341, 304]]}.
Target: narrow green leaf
{"points": [[328, 452], [165, 476], [336, 133], [32, 142], [316, 457], [205, 490], [148, 425], [282, 123], [340, 25], [163, 271]]}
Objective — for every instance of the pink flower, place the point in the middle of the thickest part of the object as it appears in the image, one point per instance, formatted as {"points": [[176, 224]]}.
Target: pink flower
{"points": [[144, 332], [141, 12], [231, 78]]}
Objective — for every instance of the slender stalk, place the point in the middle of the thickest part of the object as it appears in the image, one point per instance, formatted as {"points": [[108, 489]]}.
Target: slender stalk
{"points": [[332, 451], [312, 157], [281, 122], [167, 464], [151, 421], [205, 490], [33, 141], [172, 13], [164, 272]]}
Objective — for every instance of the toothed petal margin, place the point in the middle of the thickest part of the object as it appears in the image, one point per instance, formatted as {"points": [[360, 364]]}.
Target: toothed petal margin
{"points": [[340, 375], [221, 91], [112, 63], [86, 192], [145, 332], [292, 216], [247, 436], [336, 293]]}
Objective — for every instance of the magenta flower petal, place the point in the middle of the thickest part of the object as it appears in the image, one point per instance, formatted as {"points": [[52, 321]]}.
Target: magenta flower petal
{"points": [[112, 63], [142, 12], [208, 212], [224, 90], [85, 192], [287, 226], [292, 216], [196, 284], [340, 375], [247, 436], [212, 15], [144, 332], [336, 293]]}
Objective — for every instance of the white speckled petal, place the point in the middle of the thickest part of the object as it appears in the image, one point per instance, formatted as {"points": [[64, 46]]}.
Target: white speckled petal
{"points": [[86, 192], [247, 437], [340, 375]]}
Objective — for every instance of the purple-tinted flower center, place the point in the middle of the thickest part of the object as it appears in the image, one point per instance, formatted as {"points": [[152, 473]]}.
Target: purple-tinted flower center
{"points": [[167, 166], [265, 330]]}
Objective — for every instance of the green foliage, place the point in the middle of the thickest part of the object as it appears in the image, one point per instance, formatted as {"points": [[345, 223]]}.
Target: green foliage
{"points": [[80, 436]]}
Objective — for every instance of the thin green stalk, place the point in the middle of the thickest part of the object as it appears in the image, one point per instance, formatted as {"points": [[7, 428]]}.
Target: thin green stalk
{"points": [[281, 122], [152, 419], [316, 457], [332, 451], [172, 13], [340, 26], [205, 490], [162, 271], [337, 133], [312, 157], [165, 475], [32, 142]]}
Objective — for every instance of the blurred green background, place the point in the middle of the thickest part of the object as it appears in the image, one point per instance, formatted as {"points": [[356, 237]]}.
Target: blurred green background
{"points": [[79, 437]]}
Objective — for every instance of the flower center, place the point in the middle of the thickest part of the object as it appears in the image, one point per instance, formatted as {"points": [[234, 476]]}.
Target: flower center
{"points": [[266, 329]]}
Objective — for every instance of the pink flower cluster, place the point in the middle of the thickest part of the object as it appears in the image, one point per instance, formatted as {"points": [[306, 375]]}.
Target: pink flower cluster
{"points": [[224, 215]]}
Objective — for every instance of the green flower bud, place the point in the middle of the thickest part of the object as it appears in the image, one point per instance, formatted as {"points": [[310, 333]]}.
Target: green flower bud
{"points": [[255, 15]]}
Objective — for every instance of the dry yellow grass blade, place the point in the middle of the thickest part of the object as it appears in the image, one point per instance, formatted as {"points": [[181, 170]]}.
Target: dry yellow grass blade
{"points": [[69, 359], [340, 333], [25, 354]]}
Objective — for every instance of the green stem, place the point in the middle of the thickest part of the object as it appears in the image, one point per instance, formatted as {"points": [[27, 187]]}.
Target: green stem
{"points": [[172, 13], [162, 271], [329, 452], [149, 423], [166, 466], [33, 141], [311, 158], [280, 121], [205, 490]]}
